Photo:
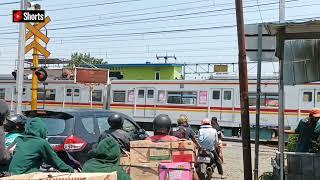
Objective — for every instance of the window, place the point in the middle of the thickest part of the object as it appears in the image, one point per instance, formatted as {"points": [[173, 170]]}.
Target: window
{"points": [[119, 96], [307, 96], [157, 75], [88, 124], [2, 93], [216, 95], [55, 126], [141, 93], [318, 96], [227, 95], [182, 97], [76, 92], [266, 99], [128, 126], [97, 95], [46, 94], [69, 92], [150, 93], [103, 123]]}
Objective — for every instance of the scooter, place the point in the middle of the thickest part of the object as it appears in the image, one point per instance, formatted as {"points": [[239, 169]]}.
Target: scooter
{"points": [[205, 164], [67, 158]]}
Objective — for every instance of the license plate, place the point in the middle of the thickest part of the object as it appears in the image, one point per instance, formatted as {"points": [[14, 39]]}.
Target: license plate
{"points": [[203, 159]]}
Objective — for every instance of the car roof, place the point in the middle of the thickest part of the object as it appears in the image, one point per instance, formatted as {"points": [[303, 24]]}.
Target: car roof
{"points": [[78, 111]]}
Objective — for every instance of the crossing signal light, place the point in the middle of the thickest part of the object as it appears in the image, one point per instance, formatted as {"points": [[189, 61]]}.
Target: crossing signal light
{"points": [[14, 74], [41, 74]]}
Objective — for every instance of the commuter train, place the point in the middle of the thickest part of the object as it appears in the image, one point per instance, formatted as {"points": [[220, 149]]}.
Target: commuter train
{"points": [[198, 99]]}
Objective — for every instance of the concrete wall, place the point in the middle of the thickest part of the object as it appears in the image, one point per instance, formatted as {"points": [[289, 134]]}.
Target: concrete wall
{"points": [[148, 73]]}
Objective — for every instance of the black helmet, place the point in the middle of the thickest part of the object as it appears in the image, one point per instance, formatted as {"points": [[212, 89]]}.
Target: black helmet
{"points": [[115, 121], [15, 122], [162, 123]]}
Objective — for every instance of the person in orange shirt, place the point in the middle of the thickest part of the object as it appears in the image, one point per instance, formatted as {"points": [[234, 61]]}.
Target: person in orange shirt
{"points": [[162, 128]]}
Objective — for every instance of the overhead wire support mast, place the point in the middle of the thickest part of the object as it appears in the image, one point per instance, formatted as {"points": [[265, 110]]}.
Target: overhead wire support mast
{"points": [[244, 102]]}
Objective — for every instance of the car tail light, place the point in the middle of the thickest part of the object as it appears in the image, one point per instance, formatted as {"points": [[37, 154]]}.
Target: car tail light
{"points": [[74, 143], [59, 147]]}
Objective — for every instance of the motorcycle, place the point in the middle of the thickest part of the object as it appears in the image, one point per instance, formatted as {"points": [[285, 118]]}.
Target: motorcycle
{"points": [[67, 158], [205, 164]]}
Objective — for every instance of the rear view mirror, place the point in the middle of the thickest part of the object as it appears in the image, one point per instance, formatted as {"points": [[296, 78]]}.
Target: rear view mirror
{"points": [[142, 134]]}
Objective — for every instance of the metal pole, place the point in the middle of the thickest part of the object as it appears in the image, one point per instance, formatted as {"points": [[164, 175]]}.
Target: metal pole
{"points": [[91, 89], [21, 52], [35, 62], [281, 102], [244, 103], [281, 89], [282, 11], [257, 138]]}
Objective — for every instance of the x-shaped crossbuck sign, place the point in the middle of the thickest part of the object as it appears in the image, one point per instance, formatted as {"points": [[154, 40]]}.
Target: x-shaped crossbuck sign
{"points": [[34, 30]]}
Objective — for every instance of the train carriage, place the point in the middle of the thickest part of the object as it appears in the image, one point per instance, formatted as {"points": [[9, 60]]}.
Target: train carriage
{"points": [[143, 100]]}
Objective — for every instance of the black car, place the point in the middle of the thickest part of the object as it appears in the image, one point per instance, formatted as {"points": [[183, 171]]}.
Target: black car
{"points": [[73, 132]]}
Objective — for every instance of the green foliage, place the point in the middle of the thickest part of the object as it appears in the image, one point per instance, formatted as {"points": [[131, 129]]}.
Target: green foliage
{"points": [[266, 176], [292, 142], [78, 59]]}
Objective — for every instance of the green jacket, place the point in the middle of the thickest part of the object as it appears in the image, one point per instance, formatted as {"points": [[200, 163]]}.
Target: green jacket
{"points": [[33, 149], [106, 158]]}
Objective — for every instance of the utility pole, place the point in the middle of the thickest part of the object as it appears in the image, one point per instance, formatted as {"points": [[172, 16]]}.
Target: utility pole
{"points": [[166, 57], [21, 53], [244, 103], [281, 90], [257, 138]]}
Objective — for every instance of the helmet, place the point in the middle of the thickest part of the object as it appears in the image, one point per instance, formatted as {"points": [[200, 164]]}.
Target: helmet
{"points": [[206, 121], [15, 122], [182, 119], [115, 121], [162, 123]]}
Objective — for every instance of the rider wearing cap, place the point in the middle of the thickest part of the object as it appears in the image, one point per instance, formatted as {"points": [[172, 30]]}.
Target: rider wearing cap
{"points": [[184, 131], [208, 139], [305, 129]]}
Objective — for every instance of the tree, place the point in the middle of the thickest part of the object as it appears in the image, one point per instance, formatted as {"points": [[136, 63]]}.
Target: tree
{"points": [[78, 59]]}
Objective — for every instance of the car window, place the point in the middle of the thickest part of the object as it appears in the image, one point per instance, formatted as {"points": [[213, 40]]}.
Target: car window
{"points": [[129, 126], [88, 123], [103, 123], [55, 126]]}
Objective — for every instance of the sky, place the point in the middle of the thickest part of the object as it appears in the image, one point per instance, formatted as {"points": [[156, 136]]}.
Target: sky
{"points": [[136, 31]]}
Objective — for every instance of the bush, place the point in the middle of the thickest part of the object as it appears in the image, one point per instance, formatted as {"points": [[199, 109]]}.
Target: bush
{"points": [[292, 142], [266, 176]]}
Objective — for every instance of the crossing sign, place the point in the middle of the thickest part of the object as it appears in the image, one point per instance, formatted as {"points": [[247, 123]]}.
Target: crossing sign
{"points": [[35, 30]]}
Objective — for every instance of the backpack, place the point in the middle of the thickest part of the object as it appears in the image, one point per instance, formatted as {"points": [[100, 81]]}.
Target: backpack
{"points": [[181, 133]]}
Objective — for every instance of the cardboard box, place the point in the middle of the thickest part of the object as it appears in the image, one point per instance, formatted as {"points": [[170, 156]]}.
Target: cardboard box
{"points": [[64, 176], [145, 171], [148, 151], [125, 163], [176, 171], [183, 151]]}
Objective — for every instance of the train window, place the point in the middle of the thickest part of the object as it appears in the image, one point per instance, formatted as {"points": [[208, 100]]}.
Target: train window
{"points": [[215, 94], [76, 92], [46, 94], [69, 92], [271, 99], [318, 97], [119, 96], [2, 93], [307, 96], [227, 95], [182, 97], [150, 93], [141, 93], [97, 95]]}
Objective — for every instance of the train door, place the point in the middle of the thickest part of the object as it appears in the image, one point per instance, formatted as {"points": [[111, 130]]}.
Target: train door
{"points": [[222, 103], [72, 95], [145, 102], [309, 98]]}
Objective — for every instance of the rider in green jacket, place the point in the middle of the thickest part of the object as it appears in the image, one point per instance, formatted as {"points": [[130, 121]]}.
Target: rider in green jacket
{"points": [[106, 157], [33, 149]]}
